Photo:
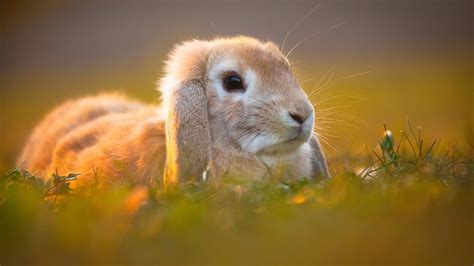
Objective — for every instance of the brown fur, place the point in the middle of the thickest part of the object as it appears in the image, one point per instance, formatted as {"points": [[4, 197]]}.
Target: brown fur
{"points": [[109, 137]]}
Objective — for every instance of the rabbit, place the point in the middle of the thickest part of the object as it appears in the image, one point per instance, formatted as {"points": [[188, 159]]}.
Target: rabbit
{"points": [[230, 106]]}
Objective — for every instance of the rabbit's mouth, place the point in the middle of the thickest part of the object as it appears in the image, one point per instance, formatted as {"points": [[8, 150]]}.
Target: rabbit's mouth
{"points": [[287, 146], [271, 143], [278, 143]]}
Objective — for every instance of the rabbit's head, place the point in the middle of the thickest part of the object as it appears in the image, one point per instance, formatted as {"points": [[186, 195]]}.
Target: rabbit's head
{"points": [[238, 91]]}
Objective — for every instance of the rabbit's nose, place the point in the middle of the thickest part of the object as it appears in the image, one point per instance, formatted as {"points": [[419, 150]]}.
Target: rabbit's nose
{"points": [[299, 117]]}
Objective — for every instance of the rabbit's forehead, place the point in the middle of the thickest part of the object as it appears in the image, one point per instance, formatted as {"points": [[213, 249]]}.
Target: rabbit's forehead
{"points": [[258, 56]]}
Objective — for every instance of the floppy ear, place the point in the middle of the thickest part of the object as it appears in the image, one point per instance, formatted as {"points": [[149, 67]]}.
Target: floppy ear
{"points": [[188, 139], [318, 160]]}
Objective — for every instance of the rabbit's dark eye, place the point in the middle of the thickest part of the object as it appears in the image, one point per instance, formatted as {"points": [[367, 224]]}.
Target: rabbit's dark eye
{"points": [[233, 83]]}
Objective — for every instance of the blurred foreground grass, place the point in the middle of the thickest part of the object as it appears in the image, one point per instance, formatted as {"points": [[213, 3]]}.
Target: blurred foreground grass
{"points": [[411, 205]]}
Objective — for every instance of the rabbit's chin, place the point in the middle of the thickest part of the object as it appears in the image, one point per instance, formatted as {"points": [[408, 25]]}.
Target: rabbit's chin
{"points": [[285, 147]]}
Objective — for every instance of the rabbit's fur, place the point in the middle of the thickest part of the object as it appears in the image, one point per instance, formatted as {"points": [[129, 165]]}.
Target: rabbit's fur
{"points": [[199, 126]]}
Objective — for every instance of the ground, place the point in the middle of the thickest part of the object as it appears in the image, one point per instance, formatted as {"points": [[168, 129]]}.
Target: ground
{"points": [[411, 205]]}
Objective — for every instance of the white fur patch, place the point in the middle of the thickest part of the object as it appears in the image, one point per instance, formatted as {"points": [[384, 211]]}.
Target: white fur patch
{"points": [[304, 155], [255, 144], [299, 160], [250, 77]]}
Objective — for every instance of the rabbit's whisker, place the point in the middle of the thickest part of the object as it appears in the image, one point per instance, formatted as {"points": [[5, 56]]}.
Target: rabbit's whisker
{"points": [[313, 36], [337, 122], [296, 25], [349, 118], [326, 78], [356, 75], [326, 142]]}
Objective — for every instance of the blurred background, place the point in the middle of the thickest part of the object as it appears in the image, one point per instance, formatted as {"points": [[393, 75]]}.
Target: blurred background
{"points": [[390, 61]]}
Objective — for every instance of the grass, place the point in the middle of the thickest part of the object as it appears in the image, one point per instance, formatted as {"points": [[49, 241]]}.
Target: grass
{"points": [[412, 204]]}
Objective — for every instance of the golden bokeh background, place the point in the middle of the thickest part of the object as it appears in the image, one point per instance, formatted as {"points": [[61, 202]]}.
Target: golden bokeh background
{"points": [[391, 61], [415, 58]]}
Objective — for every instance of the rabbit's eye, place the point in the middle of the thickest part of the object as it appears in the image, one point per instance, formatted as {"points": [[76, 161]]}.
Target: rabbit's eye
{"points": [[233, 83]]}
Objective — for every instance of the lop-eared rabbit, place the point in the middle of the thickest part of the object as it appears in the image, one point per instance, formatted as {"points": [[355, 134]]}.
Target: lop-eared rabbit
{"points": [[230, 107]]}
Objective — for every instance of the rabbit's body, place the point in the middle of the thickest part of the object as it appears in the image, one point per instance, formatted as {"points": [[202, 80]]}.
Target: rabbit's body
{"points": [[256, 124], [107, 136]]}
